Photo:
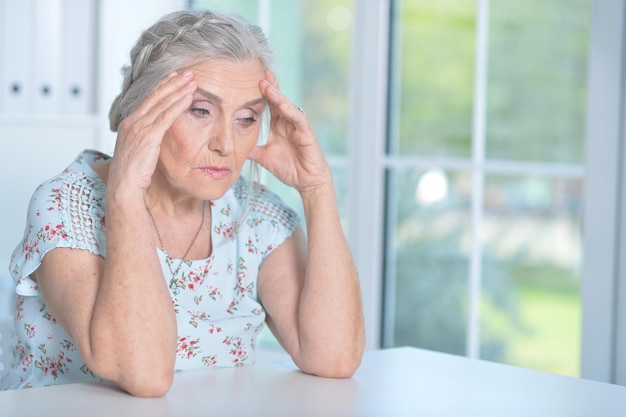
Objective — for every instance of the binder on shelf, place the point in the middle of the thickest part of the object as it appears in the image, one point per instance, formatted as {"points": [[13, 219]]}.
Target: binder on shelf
{"points": [[45, 68], [78, 55], [15, 54]]}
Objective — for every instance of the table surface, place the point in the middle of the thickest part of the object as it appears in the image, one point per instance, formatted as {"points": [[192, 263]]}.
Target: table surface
{"points": [[392, 382]]}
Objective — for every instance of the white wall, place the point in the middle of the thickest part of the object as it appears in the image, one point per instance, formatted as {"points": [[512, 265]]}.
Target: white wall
{"points": [[36, 147], [31, 151], [121, 23]]}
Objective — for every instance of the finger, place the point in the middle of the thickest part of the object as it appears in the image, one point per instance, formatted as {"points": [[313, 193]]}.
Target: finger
{"points": [[166, 92], [166, 78], [166, 116], [281, 105], [271, 78], [160, 116]]}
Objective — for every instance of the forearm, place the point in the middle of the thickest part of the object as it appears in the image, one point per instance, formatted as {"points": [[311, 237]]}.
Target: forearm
{"points": [[331, 316], [313, 304], [133, 327]]}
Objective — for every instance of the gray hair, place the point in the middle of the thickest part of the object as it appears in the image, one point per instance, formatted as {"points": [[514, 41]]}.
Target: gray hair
{"points": [[178, 40], [181, 39]]}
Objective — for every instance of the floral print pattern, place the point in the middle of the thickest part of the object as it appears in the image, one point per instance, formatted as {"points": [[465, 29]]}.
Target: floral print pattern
{"points": [[215, 300]]}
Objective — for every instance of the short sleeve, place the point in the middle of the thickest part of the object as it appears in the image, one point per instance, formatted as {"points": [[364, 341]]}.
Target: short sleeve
{"points": [[64, 212], [272, 220]]}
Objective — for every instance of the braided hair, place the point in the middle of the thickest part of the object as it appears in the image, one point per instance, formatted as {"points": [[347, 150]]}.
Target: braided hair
{"points": [[181, 39]]}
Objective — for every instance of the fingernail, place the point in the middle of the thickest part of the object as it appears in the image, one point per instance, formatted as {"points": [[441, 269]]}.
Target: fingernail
{"points": [[187, 74]]}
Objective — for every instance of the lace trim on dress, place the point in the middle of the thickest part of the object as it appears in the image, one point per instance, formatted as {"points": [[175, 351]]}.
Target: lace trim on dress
{"points": [[268, 208], [80, 209], [266, 203]]}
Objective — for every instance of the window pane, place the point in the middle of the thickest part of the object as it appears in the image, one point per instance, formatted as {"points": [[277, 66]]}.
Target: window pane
{"points": [[531, 281], [427, 259], [325, 51], [246, 8], [529, 309], [537, 79], [432, 71]]}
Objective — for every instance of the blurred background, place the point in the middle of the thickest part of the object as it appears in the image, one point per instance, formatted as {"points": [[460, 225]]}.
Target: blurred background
{"points": [[477, 148]]}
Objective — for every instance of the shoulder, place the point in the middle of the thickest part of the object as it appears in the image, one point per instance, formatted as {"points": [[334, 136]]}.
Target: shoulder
{"points": [[76, 184], [254, 216], [259, 202], [67, 210]]}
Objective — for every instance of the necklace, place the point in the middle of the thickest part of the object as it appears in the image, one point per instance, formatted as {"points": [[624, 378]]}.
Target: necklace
{"points": [[168, 258]]}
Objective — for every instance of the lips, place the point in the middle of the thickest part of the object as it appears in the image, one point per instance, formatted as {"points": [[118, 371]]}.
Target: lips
{"points": [[216, 173]]}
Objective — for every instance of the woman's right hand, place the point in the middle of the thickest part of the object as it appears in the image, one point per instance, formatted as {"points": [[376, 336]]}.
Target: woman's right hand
{"points": [[119, 312], [141, 133]]}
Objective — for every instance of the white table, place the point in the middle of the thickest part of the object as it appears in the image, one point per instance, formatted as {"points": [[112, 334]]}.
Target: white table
{"points": [[389, 383]]}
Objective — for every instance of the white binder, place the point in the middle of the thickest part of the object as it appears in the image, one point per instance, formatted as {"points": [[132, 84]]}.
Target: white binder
{"points": [[46, 48], [78, 55], [15, 54]]}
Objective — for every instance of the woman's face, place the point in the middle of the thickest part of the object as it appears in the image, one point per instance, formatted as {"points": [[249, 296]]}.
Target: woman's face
{"points": [[204, 150]]}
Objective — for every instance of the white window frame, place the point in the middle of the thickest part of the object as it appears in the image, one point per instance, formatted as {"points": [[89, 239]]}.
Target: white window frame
{"points": [[366, 148], [603, 290], [603, 355]]}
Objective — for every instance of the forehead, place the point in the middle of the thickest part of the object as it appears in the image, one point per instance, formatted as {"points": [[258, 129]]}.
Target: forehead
{"points": [[232, 81]]}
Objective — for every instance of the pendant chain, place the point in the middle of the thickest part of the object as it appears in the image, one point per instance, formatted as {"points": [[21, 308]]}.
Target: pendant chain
{"points": [[168, 259]]}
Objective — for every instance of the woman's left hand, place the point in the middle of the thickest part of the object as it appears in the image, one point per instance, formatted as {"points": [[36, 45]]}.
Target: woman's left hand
{"points": [[291, 153], [310, 290]]}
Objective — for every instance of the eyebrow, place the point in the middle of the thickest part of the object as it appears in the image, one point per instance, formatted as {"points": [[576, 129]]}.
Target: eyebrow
{"points": [[219, 100]]}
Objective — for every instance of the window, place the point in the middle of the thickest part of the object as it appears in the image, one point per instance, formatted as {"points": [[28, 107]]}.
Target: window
{"points": [[456, 133], [484, 179]]}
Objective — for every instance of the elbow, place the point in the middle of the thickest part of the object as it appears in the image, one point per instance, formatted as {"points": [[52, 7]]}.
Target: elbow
{"points": [[149, 387], [332, 369], [139, 381], [341, 365], [339, 371]]}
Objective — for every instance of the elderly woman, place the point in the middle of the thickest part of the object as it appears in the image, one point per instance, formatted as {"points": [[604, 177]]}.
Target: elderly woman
{"points": [[162, 258]]}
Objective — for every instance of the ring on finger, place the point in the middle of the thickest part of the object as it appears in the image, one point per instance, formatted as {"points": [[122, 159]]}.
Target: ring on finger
{"points": [[301, 110]]}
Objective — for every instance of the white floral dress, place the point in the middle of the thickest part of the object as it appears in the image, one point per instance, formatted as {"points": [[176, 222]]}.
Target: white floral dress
{"points": [[217, 308]]}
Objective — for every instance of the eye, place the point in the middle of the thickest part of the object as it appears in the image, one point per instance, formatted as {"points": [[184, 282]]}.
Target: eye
{"points": [[247, 120], [201, 108], [246, 117], [200, 112]]}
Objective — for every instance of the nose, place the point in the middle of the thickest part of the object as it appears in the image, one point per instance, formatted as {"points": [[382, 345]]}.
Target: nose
{"points": [[222, 139]]}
